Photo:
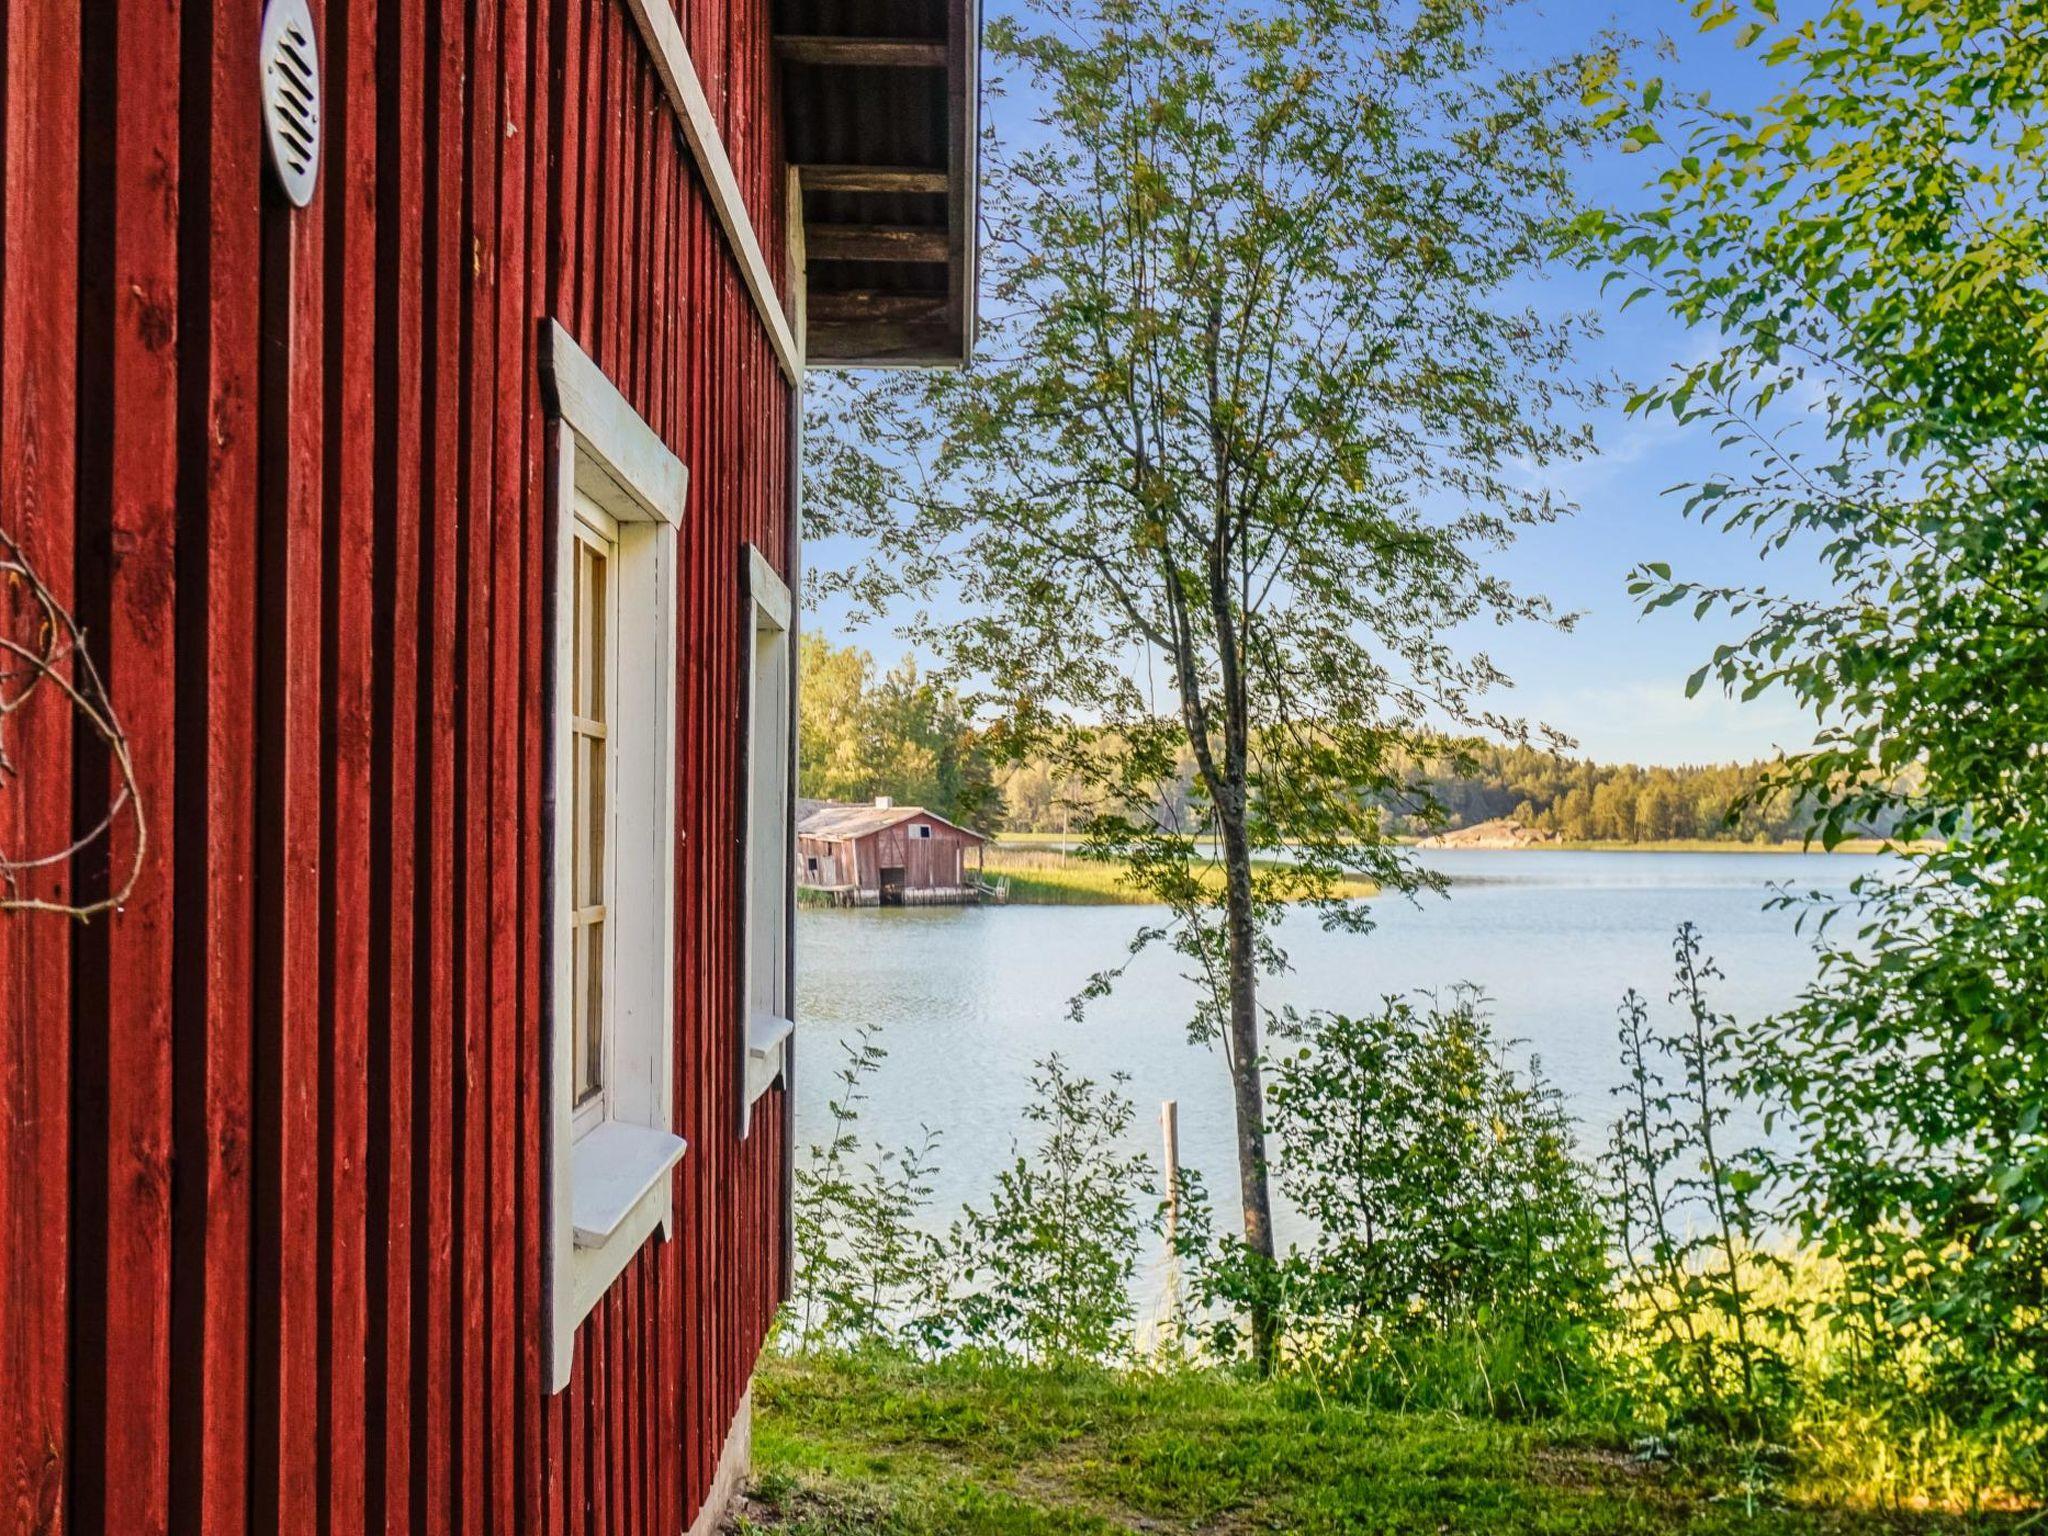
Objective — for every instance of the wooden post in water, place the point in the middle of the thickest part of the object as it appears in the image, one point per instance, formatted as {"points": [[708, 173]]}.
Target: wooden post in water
{"points": [[1169, 1131], [1169, 1134]]}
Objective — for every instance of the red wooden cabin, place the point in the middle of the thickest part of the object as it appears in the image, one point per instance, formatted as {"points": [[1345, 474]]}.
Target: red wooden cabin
{"points": [[886, 855], [403, 395]]}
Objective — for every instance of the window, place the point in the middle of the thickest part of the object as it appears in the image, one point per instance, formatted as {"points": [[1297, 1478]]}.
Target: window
{"points": [[611, 1141], [594, 689], [764, 1023], [921, 831]]}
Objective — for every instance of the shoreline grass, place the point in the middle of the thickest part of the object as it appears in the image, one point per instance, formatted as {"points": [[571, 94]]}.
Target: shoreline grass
{"points": [[1681, 845], [1040, 875], [1044, 878], [882, 1445], [1052, 840]]}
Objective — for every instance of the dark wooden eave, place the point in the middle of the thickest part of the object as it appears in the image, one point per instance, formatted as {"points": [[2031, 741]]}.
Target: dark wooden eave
{"points": [[879, 102], [862, 52]]}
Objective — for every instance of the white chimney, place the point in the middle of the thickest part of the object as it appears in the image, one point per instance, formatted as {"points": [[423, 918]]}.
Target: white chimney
{"points": [[885, 802]]}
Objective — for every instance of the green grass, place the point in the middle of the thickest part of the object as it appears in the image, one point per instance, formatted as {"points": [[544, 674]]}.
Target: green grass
{"points": [[1709, 845], [1045, 878], [1040, 839], [1052, 840], [1041, 875], [885, 1447]]}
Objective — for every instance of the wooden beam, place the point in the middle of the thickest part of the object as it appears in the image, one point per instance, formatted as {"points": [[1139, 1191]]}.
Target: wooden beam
{"points": [[870, 178], [875, 242], [881, 344], [611, 431], [869, 304], [867, 52], [963, 149], [798, 259]]}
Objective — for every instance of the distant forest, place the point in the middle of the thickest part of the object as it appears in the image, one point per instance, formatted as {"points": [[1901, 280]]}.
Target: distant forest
{"points": [[1584, 801], [867, 733], [1580, 801]]}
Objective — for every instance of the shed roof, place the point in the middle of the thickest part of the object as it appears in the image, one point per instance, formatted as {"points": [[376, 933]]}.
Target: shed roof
{"points": [[828, 819]]}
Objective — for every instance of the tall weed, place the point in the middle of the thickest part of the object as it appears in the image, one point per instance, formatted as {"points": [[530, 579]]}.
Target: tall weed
{"points": [[1683, 1206]]}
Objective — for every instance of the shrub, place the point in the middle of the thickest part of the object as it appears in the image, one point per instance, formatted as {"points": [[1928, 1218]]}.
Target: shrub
{"points": [[1046, 1265], [867, 1271], [1457, 1256], [1734, 1337]]}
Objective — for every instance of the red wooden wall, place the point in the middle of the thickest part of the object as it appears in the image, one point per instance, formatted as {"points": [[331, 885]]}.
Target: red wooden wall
{"points": [[270, 1136], [927, 862]]}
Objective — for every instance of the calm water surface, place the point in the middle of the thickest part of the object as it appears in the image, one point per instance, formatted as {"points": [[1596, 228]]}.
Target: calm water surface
{"points": [[967, 998]]}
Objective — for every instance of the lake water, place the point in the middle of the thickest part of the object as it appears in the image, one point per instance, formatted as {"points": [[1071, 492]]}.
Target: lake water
{"points": [[967, 998]]}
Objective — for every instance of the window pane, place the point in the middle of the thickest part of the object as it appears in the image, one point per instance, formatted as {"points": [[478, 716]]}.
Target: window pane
{"points": [[590, 697], [600, 670], [590, 1042], [579, 666], [597, 814], [768, 848], [579, 1032], [578, 815]]}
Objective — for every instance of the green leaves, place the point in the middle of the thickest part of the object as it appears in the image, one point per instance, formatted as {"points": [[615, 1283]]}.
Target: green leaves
{"points": [[1445, 1198], [1044, 1267], [1869, 250], [900, 735], [1041, 1269], [867, 1270]]}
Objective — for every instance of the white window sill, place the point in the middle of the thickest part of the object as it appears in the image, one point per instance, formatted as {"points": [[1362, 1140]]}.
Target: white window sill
{"points": [[766, 1035], [611, 1172]]}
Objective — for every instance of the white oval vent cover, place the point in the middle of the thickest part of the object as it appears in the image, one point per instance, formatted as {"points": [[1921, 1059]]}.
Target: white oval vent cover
{"points": [[291, 97]]}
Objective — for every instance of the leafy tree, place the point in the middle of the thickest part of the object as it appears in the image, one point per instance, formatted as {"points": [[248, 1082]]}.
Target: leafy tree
{"points": [[905, 736], [1251, 405], [936, 758], [837, 755], [1870, 247], [1476, 781]]}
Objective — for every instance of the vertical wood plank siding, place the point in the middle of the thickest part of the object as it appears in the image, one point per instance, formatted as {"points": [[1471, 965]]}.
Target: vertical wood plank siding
{"points": [[270, 1136]]}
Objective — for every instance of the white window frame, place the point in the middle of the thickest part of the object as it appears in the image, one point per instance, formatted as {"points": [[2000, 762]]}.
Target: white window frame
{"points": [[768, 852], [609, 1181]]}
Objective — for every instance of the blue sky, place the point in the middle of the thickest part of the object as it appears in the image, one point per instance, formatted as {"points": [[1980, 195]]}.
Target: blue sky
{"points": [[1616, 682]]}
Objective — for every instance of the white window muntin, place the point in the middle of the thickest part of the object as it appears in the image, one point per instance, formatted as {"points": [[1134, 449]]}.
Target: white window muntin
{"points": [[611, 1138]]}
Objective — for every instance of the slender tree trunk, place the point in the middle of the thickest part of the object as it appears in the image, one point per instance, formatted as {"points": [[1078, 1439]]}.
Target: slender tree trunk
{"points": [[1227, 782], [1247, 1083]]}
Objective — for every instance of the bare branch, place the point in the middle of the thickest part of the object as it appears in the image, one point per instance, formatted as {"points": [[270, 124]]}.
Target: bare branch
{"points": [[44, 648]]}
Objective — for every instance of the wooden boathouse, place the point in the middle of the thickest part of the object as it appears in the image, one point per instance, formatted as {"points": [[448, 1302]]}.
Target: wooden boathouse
{"points": [[399, 412], [886, 855]]}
